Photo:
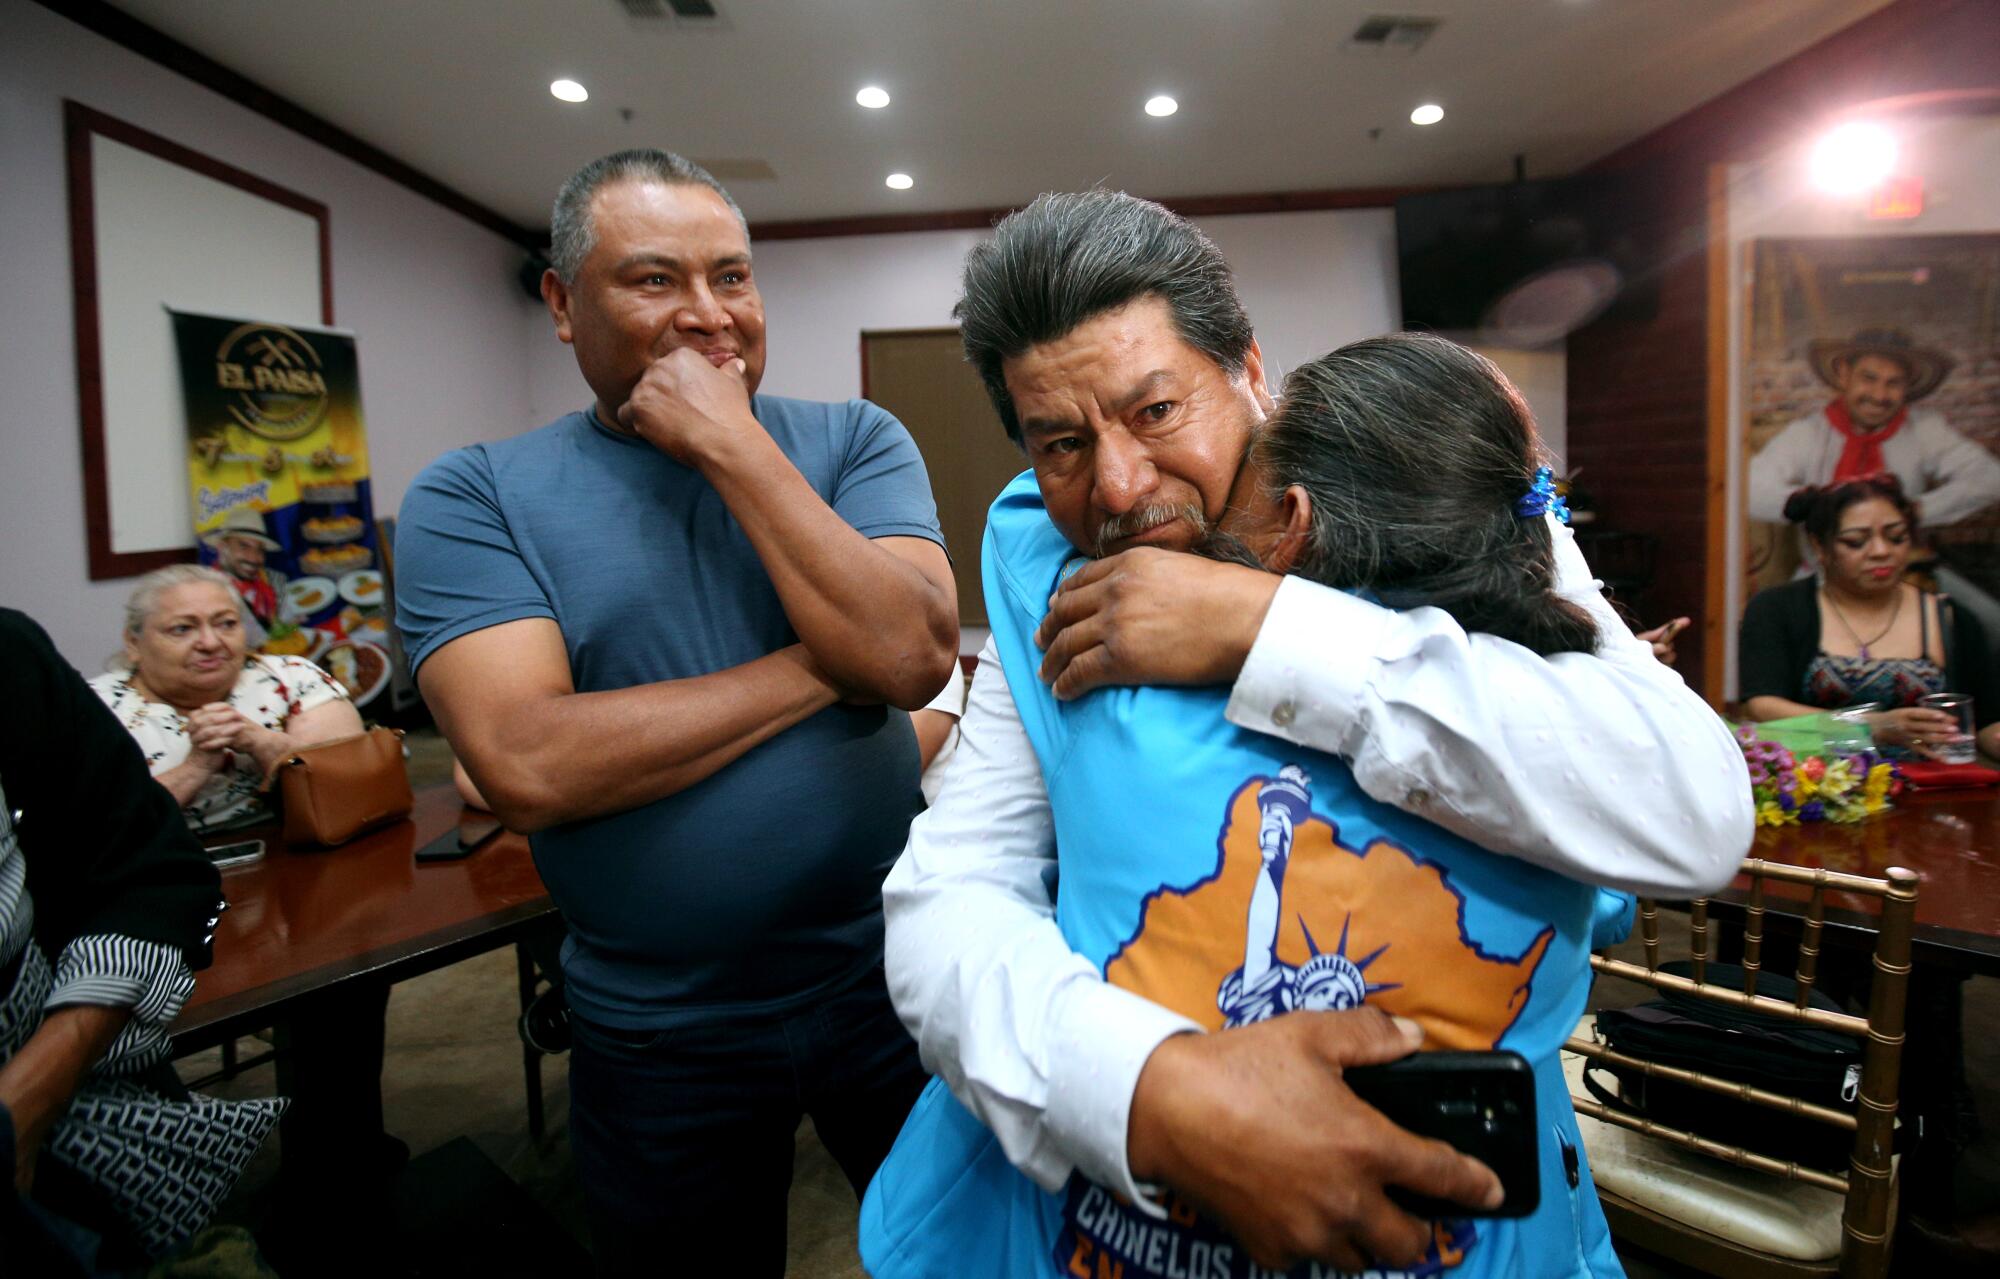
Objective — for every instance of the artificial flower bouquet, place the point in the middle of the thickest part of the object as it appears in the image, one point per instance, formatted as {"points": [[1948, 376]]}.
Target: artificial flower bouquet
{"points": [[1832, 787]]}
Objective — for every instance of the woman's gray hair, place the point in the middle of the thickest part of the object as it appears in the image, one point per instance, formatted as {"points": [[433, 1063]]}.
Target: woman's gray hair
{"points": [[1066, 259], [1415, 452], [571, 232], [145, 597]]}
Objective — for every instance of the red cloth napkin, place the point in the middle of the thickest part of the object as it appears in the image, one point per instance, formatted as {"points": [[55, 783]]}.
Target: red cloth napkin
{"points": [[1926, 775]]}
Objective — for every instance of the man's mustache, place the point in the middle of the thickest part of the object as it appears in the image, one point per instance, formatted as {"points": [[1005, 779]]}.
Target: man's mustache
{"points": [[1141, 519]]}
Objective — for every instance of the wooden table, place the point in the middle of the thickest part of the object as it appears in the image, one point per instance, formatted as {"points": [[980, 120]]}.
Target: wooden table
{"points": [[302, 921], [1950, 839]]}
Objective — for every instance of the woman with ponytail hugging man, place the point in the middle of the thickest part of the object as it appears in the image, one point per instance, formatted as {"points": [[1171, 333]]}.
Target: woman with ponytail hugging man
{"points": [[1118, 357], [1242, 881]]}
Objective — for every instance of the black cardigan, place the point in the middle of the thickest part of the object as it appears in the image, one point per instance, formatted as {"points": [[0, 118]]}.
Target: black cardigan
{"points": [[105, 845], [1780, 637]]}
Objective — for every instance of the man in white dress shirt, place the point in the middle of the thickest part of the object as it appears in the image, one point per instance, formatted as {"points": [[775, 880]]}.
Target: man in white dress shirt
{"points": [[1136, 446]]}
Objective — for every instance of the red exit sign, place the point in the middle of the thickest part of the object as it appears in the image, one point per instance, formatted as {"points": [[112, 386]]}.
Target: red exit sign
{"points": [[1897, 198]]}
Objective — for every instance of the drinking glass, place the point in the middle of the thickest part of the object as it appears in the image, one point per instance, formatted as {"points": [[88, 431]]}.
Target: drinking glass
{"points": [[1959, 748], [1850, 733]]}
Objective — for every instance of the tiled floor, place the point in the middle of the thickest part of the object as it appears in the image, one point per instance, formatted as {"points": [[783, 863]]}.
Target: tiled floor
{"points": [[453, 1069]]}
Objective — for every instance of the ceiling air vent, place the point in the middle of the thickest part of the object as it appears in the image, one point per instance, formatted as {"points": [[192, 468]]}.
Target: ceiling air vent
{"points": [[682, 9], [1392, 33]]}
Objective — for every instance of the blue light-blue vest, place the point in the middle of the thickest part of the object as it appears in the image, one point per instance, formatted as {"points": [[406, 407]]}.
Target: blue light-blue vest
{"points": [[1233, 877]]}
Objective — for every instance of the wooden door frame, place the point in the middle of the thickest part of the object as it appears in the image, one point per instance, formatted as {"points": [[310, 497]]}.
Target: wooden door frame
{"points": [[81, 125], [1714, 639]]}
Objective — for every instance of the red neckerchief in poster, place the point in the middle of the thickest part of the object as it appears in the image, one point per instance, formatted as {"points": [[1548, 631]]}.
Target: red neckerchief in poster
{"points": [[1862, 454]]}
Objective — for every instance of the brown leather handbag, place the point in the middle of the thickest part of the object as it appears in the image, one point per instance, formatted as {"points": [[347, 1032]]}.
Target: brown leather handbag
{"points": [[332, 791]]}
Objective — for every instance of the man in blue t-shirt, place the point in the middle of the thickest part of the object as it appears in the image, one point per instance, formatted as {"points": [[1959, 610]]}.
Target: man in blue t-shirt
{"points": [[674, 637]]}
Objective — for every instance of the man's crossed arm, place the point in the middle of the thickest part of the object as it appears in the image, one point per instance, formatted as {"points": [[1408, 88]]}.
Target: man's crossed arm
{"points": [[880, 616], [876, 619], [543, 754]]}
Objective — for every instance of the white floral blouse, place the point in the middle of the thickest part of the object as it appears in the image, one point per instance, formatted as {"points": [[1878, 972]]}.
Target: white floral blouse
{"points": [[269, 692]]}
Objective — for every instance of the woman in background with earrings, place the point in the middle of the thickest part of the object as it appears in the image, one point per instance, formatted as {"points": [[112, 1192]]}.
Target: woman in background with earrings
{"points": [[1860, 633]]}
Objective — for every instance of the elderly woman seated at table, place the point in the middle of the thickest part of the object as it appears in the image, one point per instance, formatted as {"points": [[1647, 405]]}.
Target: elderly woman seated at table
{"points": [[211, 717], [1859, 633]]}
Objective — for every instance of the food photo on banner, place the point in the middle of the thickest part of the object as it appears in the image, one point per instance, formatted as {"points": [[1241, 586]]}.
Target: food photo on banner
{"points": [[278, 471], [1877, 353]]}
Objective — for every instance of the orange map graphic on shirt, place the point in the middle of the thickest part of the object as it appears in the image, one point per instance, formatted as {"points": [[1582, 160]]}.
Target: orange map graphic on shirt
{"points": [[1295, 918]]}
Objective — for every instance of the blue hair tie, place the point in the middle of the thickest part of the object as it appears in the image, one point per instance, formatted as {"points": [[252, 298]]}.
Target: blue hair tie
{"points": [[1541, 498]]}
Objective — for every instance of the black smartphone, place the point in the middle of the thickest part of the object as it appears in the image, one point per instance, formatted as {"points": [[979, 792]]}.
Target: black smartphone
{"points": [[1479, 1103], [454, 844], [237, 854]]}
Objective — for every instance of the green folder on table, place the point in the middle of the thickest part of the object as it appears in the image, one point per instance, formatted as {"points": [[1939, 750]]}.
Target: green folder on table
{"points": [[1820, 733]]}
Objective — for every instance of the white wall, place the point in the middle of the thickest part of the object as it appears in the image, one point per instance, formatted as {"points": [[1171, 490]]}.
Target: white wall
{"points": [[555, 385], [1958, 159], [821, 295], [1310, 281], [431, 297]]}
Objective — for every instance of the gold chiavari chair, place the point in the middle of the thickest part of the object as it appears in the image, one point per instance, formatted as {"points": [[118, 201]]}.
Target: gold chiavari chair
{"points": [[1863, 1198]]}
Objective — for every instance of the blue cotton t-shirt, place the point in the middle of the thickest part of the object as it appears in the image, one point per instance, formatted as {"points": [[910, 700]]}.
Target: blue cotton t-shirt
{"points": [[760, 887]]}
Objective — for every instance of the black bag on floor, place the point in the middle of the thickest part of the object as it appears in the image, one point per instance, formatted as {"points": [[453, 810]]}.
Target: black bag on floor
{"points": [[1738, 1044]]}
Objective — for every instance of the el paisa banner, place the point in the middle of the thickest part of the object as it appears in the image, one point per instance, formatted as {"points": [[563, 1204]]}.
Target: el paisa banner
{"points": [[278, 471]]}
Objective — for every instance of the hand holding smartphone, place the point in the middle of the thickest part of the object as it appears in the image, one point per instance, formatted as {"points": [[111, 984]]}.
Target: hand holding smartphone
{"points": [[1480, 1104]]}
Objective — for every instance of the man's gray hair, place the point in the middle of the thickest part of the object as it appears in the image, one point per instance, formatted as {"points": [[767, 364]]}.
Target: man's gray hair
{"points": [[571, 234], [1066, 259], [145, 597]]}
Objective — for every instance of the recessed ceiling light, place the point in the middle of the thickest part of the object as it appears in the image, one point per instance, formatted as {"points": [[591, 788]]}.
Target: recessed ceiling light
{"points": [[874, 97], [1853, 157], [1429, 113], [569, 91], [1161, 105], [900, 181]]}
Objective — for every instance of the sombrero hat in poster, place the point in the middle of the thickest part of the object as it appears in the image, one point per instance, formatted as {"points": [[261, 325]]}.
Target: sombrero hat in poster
{"points": [[242, 522], [1927, 366]]}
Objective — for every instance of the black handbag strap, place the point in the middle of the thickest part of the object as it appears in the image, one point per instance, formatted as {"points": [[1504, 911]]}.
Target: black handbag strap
{"points": [[1605, 1097]]}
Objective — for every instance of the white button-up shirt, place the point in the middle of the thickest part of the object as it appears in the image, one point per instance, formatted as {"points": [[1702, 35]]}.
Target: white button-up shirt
{"points": [[1606, 768]]}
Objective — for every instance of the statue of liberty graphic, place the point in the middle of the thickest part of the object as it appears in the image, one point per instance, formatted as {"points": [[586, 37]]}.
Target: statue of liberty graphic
{"points": [[1265, 986]]}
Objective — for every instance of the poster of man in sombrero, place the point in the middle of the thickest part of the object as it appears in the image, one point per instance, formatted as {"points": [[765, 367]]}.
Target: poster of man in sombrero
{"points": [[241, 545], [1875, 354]]}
